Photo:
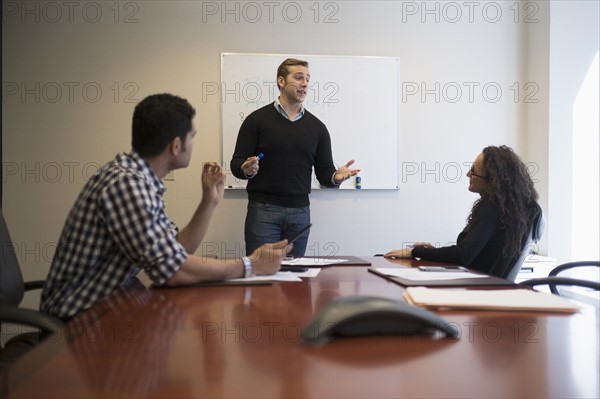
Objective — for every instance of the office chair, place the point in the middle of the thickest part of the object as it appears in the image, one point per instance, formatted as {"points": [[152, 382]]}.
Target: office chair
{"points": [[538, 226], [12, 289], [553, 279]]}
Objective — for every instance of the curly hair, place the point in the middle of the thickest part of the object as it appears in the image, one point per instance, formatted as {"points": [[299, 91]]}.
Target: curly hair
{"points": [[510, 187]]}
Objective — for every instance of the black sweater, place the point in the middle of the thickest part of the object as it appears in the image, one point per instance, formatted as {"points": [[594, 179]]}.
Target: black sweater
{"points": [[479, 248], [290, 149]]}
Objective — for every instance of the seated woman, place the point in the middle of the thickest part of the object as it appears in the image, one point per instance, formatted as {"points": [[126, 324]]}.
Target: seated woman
{"points": [[500, 220]]}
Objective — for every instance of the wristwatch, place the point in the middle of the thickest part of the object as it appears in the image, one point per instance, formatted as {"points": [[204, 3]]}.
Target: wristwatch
{"points": [[247, 267]]}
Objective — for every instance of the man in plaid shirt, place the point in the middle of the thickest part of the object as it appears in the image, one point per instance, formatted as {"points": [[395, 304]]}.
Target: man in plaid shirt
{"points": [[118, 224]]}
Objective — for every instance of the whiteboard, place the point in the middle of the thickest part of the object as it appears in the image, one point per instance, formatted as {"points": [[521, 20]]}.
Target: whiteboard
{"points": [[356, 97]]}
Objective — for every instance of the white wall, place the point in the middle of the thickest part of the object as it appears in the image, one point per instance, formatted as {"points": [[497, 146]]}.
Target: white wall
{"points": [[535, 50], [54, 140], [573, 46]]}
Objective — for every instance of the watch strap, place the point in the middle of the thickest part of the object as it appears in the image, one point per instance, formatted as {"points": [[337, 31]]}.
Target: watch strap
{"points": [[247, 267]]}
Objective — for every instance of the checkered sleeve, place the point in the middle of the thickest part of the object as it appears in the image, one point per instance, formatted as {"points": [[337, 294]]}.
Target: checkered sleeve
{"points": [[133, 211]]}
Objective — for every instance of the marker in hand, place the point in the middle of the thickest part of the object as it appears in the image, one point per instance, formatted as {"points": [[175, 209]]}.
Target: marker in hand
{"points": [[250, 167]]}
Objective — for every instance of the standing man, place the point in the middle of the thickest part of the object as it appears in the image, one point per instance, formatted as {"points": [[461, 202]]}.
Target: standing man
{"points": [[118, 224], [292, 141]]}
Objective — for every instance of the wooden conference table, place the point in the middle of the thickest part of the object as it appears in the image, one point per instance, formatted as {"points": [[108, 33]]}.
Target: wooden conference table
{"points": [[244, 341]]}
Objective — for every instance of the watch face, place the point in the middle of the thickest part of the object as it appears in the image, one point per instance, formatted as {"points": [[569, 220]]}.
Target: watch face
{"points": [[247, 267]]}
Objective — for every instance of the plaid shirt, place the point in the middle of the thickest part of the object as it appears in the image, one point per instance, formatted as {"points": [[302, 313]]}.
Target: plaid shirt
{"points": [[116, 228]]}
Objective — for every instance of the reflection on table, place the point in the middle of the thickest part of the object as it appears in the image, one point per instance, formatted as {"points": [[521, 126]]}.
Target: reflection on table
{"points": [[244, 341]]}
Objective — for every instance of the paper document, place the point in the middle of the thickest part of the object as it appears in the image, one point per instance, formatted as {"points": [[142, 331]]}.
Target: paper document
{"points": [[279, 276], [310, 273], [418, 275], [505, 299], [312, 262]]}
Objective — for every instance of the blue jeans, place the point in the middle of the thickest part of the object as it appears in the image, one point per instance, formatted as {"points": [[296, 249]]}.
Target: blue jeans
{"points": [[267, 223]]}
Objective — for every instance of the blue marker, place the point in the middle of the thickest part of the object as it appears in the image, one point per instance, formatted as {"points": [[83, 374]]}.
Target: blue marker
{"points": [[261, 156]]}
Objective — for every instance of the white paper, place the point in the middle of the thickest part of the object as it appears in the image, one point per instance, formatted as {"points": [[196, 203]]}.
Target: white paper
{"points": [[312, 261], [310, 273], [418, 275], [279, 276]]}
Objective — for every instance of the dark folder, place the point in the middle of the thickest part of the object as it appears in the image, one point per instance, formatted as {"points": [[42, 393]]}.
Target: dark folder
{"points": [[466, 282]]}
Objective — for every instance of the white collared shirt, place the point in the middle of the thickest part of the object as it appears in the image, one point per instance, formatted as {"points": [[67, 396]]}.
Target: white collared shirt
{"points": [[281, 110]]}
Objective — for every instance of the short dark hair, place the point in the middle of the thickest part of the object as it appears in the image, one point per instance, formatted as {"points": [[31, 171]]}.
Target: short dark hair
{"points": [[157, 120], [284, 68]]}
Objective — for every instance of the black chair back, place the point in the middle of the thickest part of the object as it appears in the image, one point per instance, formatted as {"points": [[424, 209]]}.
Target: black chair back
{"points": [[12, 290], [11, 279], [538, 226]]}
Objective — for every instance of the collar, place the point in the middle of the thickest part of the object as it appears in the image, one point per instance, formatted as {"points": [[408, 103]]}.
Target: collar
{"points": [[134, 159], [282, 111]]}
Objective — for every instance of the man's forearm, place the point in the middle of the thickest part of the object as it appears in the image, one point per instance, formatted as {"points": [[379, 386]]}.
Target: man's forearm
{"points": [[198, 269], [191, 236]]}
